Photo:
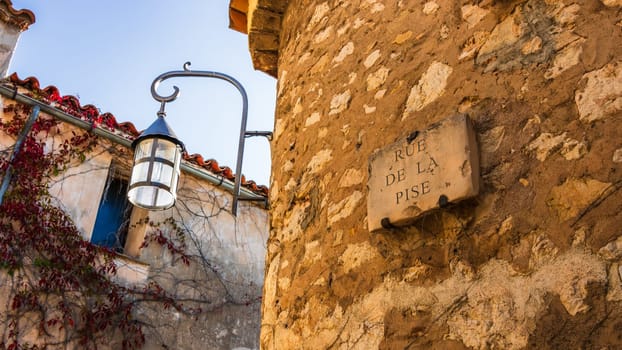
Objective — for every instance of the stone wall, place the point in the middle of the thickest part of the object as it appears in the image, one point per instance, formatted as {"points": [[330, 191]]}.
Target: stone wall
{"points": [[533, 261]]}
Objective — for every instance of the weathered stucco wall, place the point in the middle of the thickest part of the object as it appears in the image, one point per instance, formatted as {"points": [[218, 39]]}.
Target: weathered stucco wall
{"points": [[12, 23], [222, 283], [8, 39], [531, 262], [225, 276]]}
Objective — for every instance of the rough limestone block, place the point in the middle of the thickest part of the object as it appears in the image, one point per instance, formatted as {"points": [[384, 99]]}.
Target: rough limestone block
{"points": [[422, 172]]}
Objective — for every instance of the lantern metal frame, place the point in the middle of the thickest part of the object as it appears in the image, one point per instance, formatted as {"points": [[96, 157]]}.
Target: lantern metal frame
{"points": [[159, 133], [164, 131]]}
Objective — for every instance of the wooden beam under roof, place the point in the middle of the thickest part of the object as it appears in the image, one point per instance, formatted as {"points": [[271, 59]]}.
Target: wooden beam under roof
{"points": [[238, 10]]}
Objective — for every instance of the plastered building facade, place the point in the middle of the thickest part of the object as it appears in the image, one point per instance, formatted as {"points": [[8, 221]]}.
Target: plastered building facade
{"points": [[224, 276], [532, 261]]}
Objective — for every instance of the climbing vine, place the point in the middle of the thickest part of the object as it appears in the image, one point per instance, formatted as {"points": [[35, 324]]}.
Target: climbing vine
{"points": [[59, 287]]}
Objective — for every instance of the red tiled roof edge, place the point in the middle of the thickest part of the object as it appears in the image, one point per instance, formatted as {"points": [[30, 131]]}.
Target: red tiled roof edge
{"points": [[71, 105], [20, 18]]}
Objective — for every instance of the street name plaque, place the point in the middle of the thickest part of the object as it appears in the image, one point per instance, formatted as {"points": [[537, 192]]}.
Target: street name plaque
{"points": [[425, 171]]}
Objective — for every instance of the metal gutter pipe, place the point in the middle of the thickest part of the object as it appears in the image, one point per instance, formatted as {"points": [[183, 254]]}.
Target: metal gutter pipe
{"points": [[211, 178], [16, 149]]}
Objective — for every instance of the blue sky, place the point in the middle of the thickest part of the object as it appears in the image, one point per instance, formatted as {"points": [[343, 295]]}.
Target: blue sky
{"points": [[108, 52]]}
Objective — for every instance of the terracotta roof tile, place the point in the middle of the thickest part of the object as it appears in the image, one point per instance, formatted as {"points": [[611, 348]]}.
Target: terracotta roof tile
{"points": [[20, 18], [71, 105]]}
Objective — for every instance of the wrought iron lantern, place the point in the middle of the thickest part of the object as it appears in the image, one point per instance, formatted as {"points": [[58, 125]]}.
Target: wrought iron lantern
{"points": [[157, 155], [157, 151]]}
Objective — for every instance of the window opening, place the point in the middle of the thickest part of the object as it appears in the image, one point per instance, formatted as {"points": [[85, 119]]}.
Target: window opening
{"points": [[112, 221]]}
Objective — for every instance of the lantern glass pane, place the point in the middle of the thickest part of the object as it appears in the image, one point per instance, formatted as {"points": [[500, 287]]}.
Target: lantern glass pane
{"points": [[178, 159], [140, 172], [162, 173], [165, 199], [166, 149], [176, 172], [151, 197], [142, 196], [174, 181], [143, 149]]}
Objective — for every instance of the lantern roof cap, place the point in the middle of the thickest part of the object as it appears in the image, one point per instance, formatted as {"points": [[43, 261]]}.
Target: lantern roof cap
{"points": [[160, 129]]}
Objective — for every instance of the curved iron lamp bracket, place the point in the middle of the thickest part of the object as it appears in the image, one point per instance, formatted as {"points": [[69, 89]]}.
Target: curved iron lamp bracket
{"points": [[186, 72]]}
